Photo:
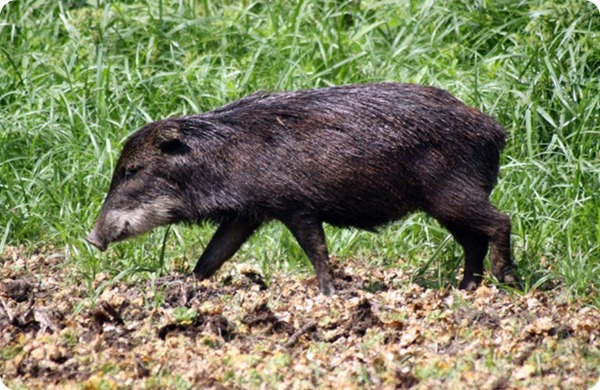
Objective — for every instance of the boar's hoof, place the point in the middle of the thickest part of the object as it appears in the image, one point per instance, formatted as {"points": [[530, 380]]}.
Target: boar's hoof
{"points": [[328, 290], [469, 285], [511, 280], [326, 287], [200, 276]]}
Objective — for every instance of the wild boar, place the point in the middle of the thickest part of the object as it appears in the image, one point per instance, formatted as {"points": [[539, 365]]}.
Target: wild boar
{"points": [[356, 155]]}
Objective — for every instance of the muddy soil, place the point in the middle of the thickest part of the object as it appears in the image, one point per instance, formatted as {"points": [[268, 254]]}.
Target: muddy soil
{"points": [[236, 331]]}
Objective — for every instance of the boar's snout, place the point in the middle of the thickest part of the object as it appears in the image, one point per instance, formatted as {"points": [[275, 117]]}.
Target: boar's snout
{"points": [[94, 239]]}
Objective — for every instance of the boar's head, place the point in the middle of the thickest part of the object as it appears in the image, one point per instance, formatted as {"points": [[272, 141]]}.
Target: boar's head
{"points": [[149, 184]]}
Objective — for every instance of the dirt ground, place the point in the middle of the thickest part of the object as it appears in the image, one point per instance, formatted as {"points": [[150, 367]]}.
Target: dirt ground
{"points": [[378, 331]]}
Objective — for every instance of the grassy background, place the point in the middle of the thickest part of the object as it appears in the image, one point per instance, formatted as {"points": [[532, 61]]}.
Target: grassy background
{"points": [[77, 77]]}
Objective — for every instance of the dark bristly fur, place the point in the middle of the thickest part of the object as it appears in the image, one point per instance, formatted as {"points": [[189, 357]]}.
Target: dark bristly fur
{"points": [[356, 155]]}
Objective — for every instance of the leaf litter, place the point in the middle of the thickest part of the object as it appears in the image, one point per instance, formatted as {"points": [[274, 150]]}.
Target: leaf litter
{"points": [[234, 331]]}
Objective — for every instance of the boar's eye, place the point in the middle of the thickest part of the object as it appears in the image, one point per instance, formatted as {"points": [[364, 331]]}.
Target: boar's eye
{"points": [[130, 172], [175, 147]]}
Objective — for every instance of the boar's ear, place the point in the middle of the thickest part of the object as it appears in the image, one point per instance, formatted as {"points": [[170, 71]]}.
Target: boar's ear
{"points": [[169, 138]]}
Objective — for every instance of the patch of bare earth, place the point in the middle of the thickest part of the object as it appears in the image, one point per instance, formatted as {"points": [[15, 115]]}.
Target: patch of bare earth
{"points": [[378, 331]]}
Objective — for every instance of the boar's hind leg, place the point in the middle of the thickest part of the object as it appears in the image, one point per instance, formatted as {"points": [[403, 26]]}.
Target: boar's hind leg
{"points": [[475, 247], [228, 238], [309, 233], [502, 265], [474, 222]]}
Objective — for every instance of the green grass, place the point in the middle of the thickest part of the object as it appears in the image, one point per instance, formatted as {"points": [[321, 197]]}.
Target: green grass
{"points": [[77, 77]]}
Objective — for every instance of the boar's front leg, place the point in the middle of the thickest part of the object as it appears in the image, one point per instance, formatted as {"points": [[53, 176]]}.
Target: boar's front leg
{"points": [[228, 238], [309, 233]]}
